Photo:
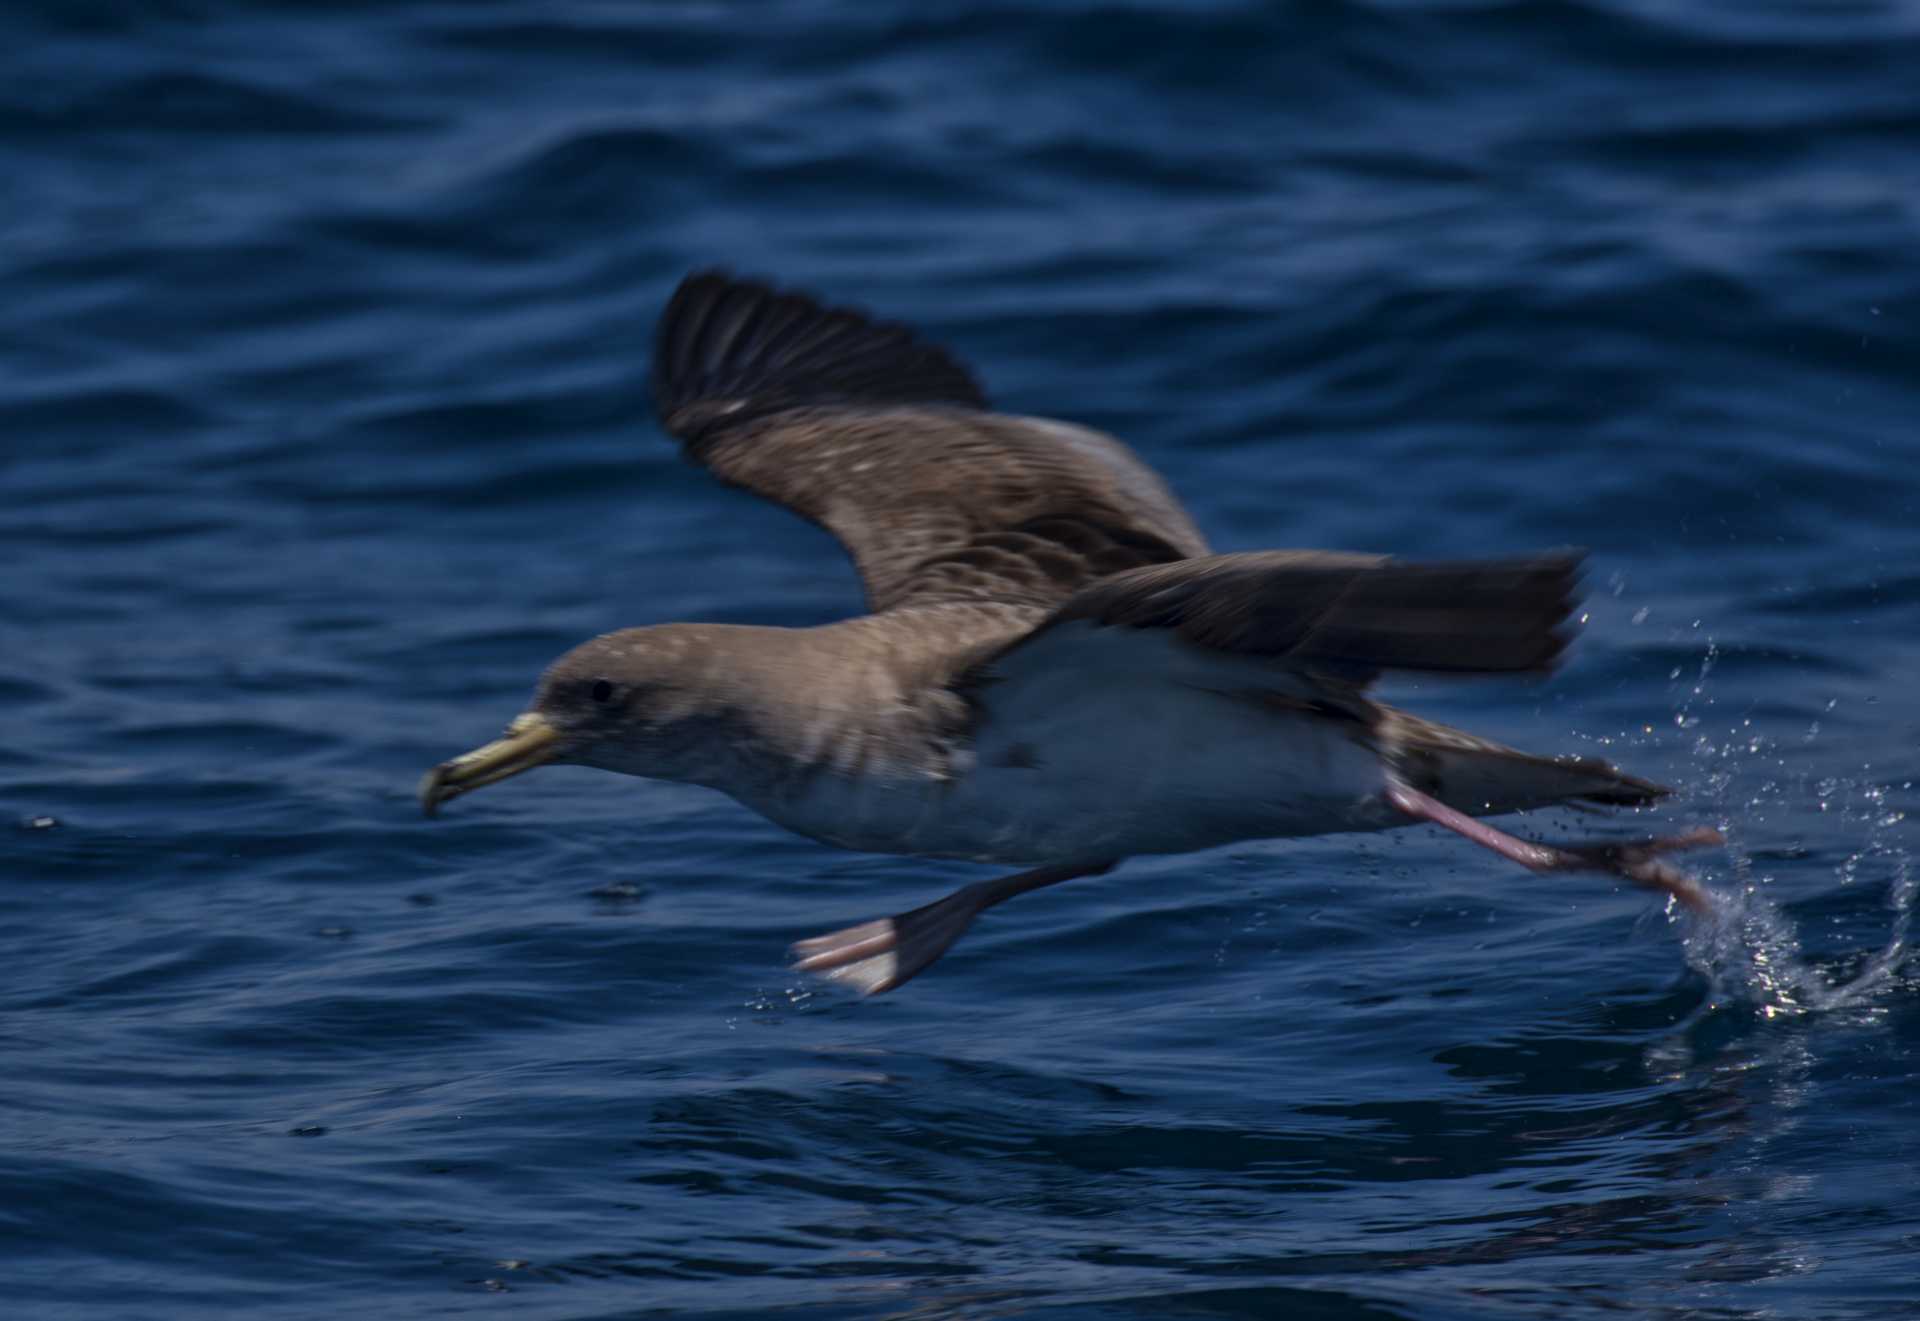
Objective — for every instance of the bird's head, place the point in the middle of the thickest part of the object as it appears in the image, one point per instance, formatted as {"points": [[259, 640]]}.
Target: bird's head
{"points": [[635, 701]]}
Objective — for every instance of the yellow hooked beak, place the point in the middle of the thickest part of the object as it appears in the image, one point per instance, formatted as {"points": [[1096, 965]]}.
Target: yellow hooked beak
{"points": [[530, 742]]}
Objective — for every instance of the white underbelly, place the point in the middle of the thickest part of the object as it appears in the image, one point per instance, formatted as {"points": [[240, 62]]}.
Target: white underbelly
{"points": [[1147, 768]]}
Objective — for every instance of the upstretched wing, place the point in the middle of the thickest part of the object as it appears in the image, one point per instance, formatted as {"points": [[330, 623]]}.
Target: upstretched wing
{"points": [[1312, 626], [888, 443]]}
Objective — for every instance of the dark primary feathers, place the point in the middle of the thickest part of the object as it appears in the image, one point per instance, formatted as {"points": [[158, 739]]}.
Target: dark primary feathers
{"points": [[1347, 615], [730, 348], [884, 440]]}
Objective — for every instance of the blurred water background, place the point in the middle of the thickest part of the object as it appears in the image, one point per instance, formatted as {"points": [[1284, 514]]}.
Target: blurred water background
{"points": [[323, 427]]}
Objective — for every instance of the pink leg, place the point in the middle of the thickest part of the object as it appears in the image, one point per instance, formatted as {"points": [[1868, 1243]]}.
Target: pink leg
{"points": [[890, 951], [1639, 862]]}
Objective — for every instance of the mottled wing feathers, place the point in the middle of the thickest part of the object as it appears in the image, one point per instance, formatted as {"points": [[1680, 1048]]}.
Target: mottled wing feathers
{"points": [[884, 440], [1344, 616]]}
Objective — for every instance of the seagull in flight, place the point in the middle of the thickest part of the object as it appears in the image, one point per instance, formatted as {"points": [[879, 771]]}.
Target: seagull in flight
{"points": [[1055, 672]]}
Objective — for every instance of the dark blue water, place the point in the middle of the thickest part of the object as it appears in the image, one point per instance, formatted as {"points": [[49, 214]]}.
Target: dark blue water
{"points": [[323, 427]]}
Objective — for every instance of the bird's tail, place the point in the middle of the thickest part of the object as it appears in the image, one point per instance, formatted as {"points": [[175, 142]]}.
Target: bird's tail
{"points": [[1484, 778]]}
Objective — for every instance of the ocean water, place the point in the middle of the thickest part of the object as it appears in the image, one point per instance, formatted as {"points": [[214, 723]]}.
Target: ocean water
{"points": [[323, 427]]}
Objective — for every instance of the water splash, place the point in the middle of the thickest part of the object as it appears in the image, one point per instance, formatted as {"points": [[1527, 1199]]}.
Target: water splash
{"points": [[1750, 949], [1751, 952]]}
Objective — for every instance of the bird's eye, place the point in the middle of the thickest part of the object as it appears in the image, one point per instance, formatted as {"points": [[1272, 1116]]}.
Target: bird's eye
{"points": [[602, 691]]}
